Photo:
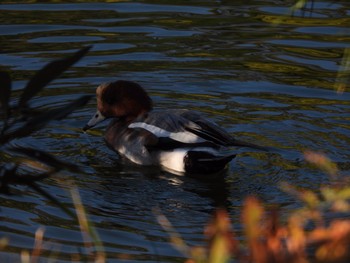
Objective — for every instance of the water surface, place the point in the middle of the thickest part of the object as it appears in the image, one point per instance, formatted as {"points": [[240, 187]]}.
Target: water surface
{"points": [[264, 76]]}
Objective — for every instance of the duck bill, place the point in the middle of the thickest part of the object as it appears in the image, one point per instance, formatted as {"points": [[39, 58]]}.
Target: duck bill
{"points": [[96, 118]]}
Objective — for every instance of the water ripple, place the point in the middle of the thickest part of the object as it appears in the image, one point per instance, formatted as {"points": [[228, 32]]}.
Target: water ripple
{"points": [[270, 84]]}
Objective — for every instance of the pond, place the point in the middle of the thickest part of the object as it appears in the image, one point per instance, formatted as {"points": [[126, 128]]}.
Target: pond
{"points": [[264, 75]]}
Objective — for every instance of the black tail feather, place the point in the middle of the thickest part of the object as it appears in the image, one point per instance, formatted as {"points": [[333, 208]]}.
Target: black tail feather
{"points": [[202, 162]]}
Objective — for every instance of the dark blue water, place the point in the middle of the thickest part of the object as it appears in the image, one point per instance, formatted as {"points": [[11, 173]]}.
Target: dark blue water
{"points": [[263, 75]]}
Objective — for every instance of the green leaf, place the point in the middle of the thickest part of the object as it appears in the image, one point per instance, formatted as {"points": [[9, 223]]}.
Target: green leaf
{"points": [[5, 91], [48, 73]]}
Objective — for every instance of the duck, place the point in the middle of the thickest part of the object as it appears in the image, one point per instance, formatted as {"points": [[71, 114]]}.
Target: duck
{"points": [[178, 140]]}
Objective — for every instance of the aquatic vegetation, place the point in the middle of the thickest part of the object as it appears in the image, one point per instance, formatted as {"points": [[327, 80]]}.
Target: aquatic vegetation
{"points": [[343, 76], [20, 120], [317, 232]]}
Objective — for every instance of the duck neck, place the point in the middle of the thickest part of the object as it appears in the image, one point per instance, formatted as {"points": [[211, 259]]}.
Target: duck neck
{"points": [[128, 118]]}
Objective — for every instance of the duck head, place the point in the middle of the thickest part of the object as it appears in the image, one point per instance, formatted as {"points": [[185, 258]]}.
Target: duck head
{"points": [[120, 99]]}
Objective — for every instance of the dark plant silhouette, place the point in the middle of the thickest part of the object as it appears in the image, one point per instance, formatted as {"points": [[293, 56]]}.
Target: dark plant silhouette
{"points": [[19, 120]]}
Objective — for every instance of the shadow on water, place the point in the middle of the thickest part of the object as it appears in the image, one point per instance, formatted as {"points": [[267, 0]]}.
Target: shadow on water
{"points": [[154, 183]]}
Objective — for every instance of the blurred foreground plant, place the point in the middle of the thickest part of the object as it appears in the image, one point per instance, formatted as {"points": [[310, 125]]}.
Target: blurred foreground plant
{"points": [[317, 232], [343, 76], [19, 120]]}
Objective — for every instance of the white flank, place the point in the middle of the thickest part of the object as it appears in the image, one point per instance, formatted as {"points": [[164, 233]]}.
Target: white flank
{"points": [[184, 136], [173, 160]]}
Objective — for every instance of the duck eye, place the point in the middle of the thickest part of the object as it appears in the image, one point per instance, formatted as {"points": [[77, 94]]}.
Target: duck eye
{"points": [[96, 115]]}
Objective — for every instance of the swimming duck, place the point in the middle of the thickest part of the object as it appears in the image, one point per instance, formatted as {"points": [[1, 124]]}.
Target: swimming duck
{"points": [[179, 140]]}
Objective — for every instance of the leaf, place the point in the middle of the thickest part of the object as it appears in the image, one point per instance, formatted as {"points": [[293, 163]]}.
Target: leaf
{"points": [[38, 122], [175, 238], [28, 178], [3, 242], [222, 243], [6, 175], [46, 158], [87, 228], [5, 91], [67, 109], [310, 198], [334, 242], [48, 196], [252, 215], [322, 162], [343, 72], [48, 73]]}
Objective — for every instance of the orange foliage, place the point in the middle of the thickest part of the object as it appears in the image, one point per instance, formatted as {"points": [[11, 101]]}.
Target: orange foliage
{"points": [[269, 242]]}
